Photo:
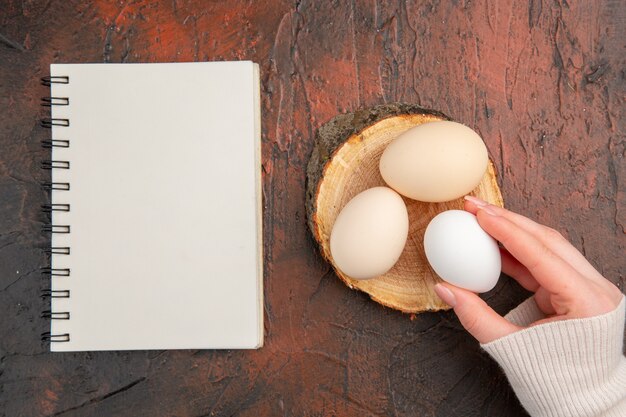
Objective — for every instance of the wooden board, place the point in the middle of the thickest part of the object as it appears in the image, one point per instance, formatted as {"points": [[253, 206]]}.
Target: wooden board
{"points": [[352, 168], [541, 82]]}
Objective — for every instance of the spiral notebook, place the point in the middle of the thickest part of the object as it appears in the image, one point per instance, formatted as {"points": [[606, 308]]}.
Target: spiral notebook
{"points": [[155, 206]]}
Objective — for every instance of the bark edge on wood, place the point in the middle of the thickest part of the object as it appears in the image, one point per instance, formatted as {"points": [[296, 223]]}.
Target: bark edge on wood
{"points": [[344, 162]]}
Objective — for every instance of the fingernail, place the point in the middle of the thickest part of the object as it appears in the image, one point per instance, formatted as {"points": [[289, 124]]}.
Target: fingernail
{"points": [[477, 201], [489, 210], [446, 295]]}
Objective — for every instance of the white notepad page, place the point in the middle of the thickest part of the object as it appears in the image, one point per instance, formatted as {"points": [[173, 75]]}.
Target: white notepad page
{"points": [[165, 197]]}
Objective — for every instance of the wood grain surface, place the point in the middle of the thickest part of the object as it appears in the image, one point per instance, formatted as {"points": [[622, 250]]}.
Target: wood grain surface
{"points": [[345, 162], [542, 81]]}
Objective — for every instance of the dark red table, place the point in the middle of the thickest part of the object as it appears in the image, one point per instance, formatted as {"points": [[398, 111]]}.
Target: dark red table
{"points": [[544, 84]]}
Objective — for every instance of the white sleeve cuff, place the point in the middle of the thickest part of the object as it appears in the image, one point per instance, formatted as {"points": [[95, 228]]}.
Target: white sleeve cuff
{"points": [[525, 313], [565, 368]]}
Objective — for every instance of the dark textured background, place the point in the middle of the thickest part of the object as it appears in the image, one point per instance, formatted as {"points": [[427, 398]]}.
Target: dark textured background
{"points": [[542, 81]]}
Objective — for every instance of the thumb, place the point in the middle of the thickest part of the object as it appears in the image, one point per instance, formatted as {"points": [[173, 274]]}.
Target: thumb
{"points": [[480, 320]]}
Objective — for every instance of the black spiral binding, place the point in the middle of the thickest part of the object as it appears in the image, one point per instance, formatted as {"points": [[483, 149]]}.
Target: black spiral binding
{"points": [[55, 143], [50, 293], [52, 121], [56, 272], [62, 186], [58, 250], [50, 164], [56, 228], [49, 208], [55, 79]]}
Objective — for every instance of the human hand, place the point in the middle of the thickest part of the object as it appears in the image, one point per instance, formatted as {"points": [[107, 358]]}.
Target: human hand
{"points": [[541, 260]]}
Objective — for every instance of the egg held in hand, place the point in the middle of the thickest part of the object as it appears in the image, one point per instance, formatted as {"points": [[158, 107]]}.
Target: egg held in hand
{"points": [[461, 252], [435, 161], [369, 234]]}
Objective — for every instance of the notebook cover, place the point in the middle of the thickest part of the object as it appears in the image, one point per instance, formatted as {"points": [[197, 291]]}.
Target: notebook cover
{"points": [[165, 197]]}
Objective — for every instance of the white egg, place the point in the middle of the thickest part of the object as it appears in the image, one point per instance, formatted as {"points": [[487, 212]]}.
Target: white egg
{"points": [[461, 252], [369, 234]]}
